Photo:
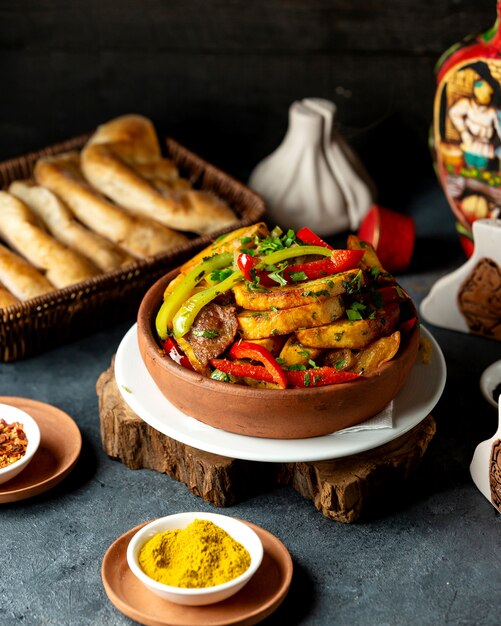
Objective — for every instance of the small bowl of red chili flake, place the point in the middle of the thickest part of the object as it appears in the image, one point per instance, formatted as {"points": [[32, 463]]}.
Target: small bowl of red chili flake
{"points": [[19, 440]]}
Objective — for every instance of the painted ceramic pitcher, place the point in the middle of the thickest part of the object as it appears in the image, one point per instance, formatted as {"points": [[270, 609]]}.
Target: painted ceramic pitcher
{"points": [[467, 129]]}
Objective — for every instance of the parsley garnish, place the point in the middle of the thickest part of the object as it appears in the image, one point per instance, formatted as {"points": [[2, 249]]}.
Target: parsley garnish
{"points": [[355, 284], [206, 334], [356, 311], [219, 275], [276, 241], [219, 375], [297, 277]]}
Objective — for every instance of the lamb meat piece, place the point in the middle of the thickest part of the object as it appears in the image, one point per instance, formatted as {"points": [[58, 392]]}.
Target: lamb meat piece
{"points": [[213, 331]]}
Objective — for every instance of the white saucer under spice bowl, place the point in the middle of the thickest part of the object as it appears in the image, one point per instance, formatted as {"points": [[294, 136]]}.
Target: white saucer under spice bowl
{"points": [[237, 529], [11, 415]]}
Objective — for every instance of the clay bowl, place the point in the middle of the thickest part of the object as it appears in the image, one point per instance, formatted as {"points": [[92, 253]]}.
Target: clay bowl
{"points": [[273, 413]]}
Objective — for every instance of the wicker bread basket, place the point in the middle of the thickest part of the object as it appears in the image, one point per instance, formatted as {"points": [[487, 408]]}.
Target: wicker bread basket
{"points": [[64, 315]]}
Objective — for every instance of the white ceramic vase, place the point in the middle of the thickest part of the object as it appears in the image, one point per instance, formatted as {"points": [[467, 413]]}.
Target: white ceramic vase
{"points": [[313, 178], [469, 299]]}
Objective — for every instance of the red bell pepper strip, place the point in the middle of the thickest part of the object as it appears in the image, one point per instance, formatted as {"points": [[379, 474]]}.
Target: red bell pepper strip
{"points": [[176, 354], [245, 370], [339, 261], [319, 377], [308, 236], [408, 325], [255, 352], [247, 265]]}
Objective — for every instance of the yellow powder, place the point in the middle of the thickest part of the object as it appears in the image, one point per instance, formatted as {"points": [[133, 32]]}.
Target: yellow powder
{"points": [[200, 555]]}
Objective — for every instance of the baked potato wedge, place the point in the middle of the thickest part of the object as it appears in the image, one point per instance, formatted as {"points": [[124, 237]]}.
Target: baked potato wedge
{"points": [[294, 353], [377, 353], [352, 334], [260, 324], [370, 258], [295, 295]]}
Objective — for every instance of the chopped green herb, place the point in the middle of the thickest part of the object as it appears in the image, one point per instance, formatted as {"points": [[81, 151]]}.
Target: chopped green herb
{"points": [[246, 240], [340, 364], [339, 336], [377, 298], [307, 379], [320, 292], [249, 251], [277, 278], [219, 375], [356, 311], [280, 360], [312, 363], [304, 353], [297, 277], [355, 284], [220, 275], [295, 367], [274, 309], [126, 389], [206, 334]]}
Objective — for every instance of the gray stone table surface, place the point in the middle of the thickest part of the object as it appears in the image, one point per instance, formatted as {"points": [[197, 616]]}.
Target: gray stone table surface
{"points": [[432, 555]]}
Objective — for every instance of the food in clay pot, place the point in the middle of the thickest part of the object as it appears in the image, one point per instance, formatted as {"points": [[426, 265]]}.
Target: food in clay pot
{"points": [[279, 318]]}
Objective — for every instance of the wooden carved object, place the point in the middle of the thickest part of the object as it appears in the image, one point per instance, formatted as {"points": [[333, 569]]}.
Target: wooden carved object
{"points": [[343, 489]]}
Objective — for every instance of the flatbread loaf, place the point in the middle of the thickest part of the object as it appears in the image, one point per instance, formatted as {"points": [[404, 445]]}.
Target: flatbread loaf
{"points": [[21, 229], [140, 236], [123, 161], [63, 226], [20, 277]]}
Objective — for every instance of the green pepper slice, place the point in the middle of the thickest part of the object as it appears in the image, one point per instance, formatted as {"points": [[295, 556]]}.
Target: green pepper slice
{"points": [[185, 317], [183, 289]]}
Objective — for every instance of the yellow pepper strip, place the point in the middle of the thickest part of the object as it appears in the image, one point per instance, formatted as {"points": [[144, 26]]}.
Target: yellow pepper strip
{"points": [[184, 289], [184, 318], [290, 253], [186, 313]]}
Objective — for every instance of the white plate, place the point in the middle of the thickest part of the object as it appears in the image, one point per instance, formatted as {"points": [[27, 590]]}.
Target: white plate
{"points": [[414, 402], [490, 379]]}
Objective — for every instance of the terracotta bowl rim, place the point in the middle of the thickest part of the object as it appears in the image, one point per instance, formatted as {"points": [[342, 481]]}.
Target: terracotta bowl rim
{"points": [[145, 328]]}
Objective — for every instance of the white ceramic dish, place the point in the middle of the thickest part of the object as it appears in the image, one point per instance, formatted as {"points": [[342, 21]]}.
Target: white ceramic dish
{"points": [[190, 596], [489, 380], [11, 414], [415, 401]]}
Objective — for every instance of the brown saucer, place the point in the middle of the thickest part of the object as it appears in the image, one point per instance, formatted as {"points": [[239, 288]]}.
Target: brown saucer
{"points": [[257, 600], [59, 450]]}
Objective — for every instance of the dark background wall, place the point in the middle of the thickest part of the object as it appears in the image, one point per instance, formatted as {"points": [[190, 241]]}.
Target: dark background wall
{"points": [[219, 75]]}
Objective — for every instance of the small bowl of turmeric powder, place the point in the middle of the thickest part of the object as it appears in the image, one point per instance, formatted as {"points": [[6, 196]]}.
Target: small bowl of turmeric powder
{"points": [[195, 558], [19, 440]]}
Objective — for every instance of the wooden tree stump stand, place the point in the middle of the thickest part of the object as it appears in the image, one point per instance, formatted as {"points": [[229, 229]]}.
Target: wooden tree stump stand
{"points": [[342, 489]]}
